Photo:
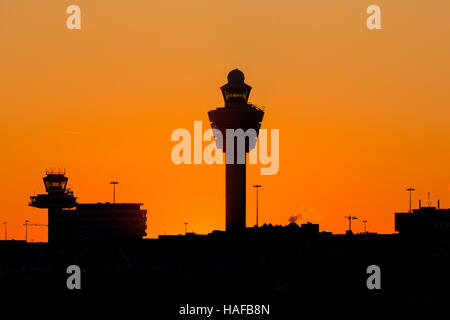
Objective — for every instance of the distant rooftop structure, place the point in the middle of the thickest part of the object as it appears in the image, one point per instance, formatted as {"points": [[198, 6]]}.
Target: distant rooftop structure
{"points": [[426, 221]]}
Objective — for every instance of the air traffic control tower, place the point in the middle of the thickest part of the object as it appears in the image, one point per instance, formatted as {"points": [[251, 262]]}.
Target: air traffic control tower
{"points": [[237, 114], [57, 198]]}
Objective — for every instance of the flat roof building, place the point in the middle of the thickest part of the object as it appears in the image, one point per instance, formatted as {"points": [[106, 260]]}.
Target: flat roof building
{"points": [[423, 222]]}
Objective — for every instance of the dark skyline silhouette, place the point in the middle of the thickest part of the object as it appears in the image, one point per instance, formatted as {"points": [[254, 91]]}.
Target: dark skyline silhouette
{"points": [[272, 264]]}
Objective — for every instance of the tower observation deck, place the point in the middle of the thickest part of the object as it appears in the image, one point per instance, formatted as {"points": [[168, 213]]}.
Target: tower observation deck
{"points": [[236, 114], [58, 196]]}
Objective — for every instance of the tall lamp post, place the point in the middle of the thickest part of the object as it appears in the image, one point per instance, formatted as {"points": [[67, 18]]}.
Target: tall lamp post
{"points": [[410, 190], [114, 190], [6, 230], [257, 186], [26, 230], [365, 225]]}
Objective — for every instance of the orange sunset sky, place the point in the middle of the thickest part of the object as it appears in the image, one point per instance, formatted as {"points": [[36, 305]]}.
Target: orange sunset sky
{"points": [[363, 114]]}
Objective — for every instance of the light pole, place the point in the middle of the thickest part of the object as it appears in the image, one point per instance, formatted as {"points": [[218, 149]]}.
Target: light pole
{"points": [[365, 225], [257, 186], [410, 192], [26, 230], [6, 230], [114, 190], [185, 228]]}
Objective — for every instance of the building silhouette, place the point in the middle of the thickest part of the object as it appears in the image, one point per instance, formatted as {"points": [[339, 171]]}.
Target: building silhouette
{"points": [[69, 220], [425, 222], [236, 114]]}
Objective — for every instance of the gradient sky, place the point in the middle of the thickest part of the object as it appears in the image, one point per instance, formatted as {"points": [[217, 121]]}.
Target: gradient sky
{"points": [[362, 114]]}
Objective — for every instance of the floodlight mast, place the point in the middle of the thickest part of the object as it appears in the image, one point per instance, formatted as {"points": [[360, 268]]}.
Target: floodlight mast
{"points": [[257, 186], [26, 230], [114, 190], [365, 226], [410, 190], [6, 230]]}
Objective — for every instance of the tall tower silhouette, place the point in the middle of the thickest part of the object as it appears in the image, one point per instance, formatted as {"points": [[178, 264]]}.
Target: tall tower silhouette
{"points": [[237, 114], [58, 197]]}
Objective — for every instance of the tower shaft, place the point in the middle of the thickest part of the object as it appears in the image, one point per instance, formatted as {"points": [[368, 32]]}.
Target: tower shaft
{"points": [[235, 196]]}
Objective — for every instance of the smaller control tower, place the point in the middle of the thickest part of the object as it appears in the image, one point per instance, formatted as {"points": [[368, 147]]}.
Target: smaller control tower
{"points": [[58, 197], [237, 114]]}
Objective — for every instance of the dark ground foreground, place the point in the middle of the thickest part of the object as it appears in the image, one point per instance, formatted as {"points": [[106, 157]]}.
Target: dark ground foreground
{"points": [[287, 272]]}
